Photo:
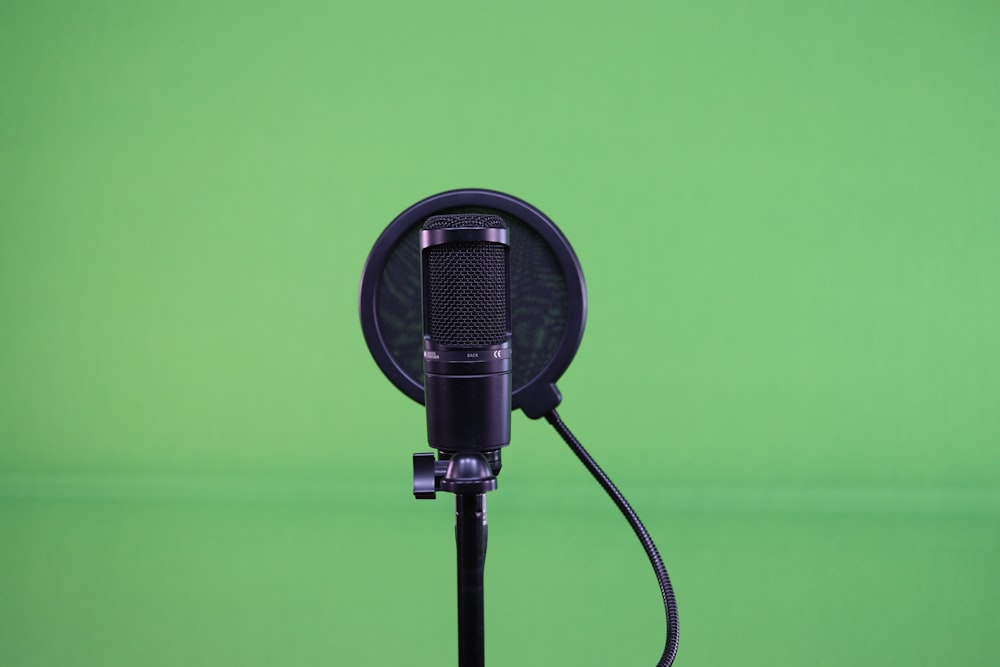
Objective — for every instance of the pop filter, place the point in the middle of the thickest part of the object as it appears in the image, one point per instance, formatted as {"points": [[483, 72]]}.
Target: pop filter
{"points": [[548, 297]]}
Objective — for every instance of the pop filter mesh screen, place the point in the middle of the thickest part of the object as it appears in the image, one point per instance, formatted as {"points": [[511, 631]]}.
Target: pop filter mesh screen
{"points": [[538, 300]]}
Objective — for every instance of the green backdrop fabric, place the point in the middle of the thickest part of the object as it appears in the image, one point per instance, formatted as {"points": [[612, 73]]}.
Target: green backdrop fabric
{"points": [[788, 215]]}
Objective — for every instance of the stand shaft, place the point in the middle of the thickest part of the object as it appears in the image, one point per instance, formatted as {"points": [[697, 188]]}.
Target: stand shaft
{"points": [[470, 538]]}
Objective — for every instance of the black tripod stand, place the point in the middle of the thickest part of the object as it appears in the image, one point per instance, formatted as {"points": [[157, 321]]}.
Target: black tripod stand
{"points": [[470, 475]]}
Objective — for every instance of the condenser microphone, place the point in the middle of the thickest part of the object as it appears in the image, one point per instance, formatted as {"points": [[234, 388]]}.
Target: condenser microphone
{"points": [[465, 286]]}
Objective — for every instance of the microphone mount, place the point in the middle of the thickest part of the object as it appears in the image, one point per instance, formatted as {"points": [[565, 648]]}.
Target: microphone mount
{"points": [[458, 472]]}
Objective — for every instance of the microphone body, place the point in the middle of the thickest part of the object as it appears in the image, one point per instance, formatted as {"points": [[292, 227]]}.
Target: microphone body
{"points": [[465, 284]]}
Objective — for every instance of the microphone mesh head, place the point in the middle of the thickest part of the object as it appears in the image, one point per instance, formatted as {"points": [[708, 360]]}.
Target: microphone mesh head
{"points": [[467, 285], [465, 221]]}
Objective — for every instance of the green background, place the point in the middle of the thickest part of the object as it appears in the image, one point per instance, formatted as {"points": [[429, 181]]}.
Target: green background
{"points": [[791, 208]]}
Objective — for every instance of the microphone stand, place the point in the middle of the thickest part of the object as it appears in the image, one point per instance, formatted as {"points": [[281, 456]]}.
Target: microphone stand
{"points": [[470, 475]]}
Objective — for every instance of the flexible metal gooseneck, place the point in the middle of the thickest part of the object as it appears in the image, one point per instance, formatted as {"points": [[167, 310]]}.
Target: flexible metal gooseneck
{"points": [[666, 589]]}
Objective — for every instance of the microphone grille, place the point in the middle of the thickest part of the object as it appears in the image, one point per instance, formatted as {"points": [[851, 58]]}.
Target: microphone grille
{"points": [[467, 285], [466, 221]]}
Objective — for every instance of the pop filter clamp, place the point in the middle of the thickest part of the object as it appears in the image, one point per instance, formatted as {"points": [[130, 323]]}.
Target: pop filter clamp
{"points": [[548, 302]]}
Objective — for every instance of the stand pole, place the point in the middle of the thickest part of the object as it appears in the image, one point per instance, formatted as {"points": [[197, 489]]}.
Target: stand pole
{"points": [[470, 538], [469, 475]]}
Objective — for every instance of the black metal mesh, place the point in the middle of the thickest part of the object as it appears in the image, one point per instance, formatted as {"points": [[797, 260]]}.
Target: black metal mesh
{"points": [[466, 285], [467, 294], [475, 220]]}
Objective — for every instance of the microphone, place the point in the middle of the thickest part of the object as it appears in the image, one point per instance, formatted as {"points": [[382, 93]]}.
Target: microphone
{"points": [[465, 285]]}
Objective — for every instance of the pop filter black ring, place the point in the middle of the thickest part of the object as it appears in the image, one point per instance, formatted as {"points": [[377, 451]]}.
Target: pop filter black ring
{"points": [[538, 395]]}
